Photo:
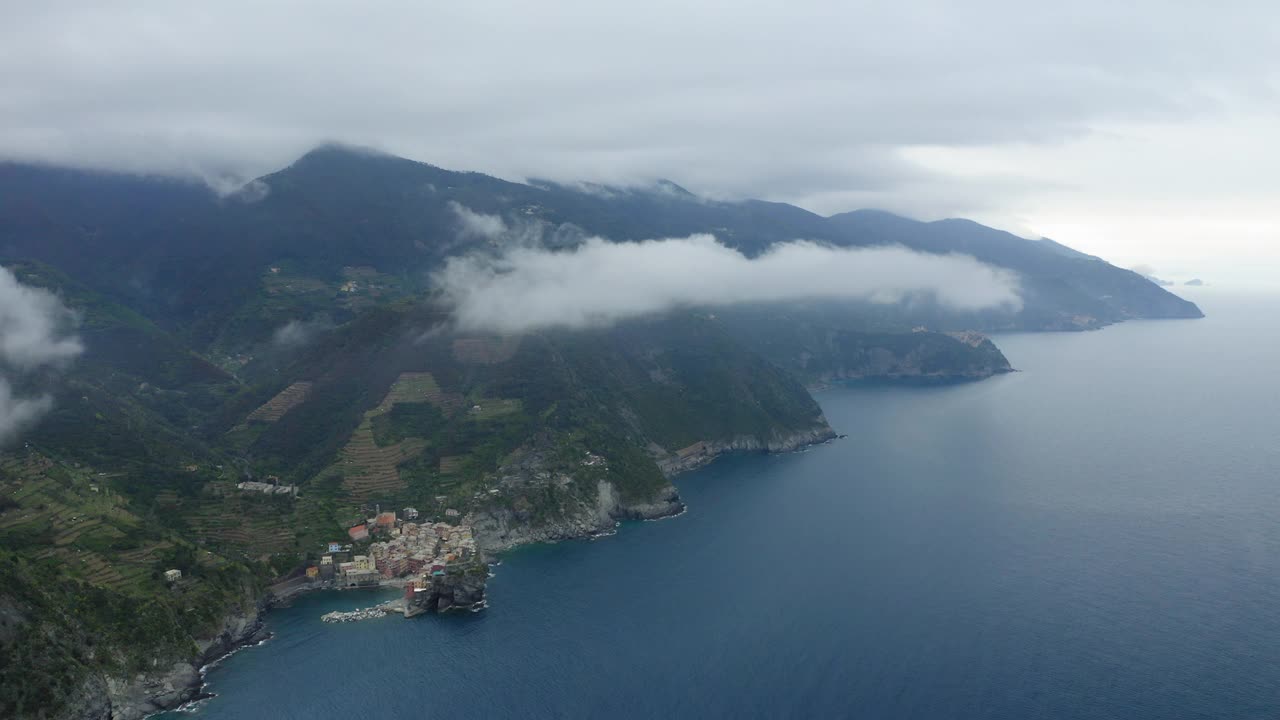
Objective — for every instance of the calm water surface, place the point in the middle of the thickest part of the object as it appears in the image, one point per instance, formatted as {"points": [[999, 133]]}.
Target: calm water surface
{"points": [[1096, 536]]}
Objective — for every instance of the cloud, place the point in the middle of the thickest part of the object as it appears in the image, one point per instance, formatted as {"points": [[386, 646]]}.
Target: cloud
{"points": [[782, 100], [1149, 273], [599, 282], [17, 413], [519, 231], [1074, 112], [35, 332], [472, 224], [32, 324], [297, 333]]}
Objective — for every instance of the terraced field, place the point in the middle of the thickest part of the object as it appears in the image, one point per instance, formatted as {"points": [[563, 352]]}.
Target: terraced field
{"points": [[452, 464], [286, 400], [410, 388], [370, 471], [243, 523], [77, 522], [418, 387]]}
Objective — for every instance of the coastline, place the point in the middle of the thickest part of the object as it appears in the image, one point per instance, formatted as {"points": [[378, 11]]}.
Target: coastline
{"points": [[185, 683]]}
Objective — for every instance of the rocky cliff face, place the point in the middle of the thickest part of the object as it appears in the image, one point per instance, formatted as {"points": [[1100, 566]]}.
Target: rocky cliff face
{"points": [[701, 453], [169, 687], [501, 527], [460, 588], [920, 357], [815, 348], [580, 512]]}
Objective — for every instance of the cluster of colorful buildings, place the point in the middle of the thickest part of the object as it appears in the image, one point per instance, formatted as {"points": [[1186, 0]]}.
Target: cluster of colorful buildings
{"points": [[402, 548], [423, 550]]}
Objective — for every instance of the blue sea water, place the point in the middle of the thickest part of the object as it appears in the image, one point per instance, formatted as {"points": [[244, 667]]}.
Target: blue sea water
{"points": [[1096, 536]]}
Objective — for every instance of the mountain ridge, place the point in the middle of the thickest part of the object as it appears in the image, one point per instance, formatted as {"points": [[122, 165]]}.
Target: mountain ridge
{"points": [[336, 207]]}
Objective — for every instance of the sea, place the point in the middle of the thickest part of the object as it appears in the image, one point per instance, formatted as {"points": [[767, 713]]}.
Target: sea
{"points": [[1094, 536]]}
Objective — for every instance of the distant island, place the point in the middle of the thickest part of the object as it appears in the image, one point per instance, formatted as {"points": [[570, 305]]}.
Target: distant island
{"points": [[1195, 282]]}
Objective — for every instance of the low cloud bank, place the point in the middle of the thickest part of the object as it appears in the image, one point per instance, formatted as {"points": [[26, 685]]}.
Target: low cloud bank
{"points": [[34, 333], [472, 224], [600, 282], [297, 333], [17, 413]]}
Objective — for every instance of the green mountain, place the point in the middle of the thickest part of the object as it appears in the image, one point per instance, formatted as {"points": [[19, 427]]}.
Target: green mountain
{"points": [[289, 333]]}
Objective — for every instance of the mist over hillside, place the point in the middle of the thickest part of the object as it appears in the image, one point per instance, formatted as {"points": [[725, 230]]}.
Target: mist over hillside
{"points": [[193, 258]]}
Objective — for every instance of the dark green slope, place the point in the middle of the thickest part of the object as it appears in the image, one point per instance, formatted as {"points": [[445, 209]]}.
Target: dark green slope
{"points": [[1057, 282], [820, 343], [193, 262], [91, 504], [672, 382], [136, 396]]}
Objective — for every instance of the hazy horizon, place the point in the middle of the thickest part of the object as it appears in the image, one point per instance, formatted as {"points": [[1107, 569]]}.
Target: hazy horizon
{"points": [[1142, 136]]}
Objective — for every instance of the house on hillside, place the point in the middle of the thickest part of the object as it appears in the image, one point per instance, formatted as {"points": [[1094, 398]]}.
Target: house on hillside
{"points": [[359, 532]]}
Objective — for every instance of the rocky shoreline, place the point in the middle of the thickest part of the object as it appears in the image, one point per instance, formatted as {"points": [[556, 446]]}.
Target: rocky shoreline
{"points": [[145, 695], [183, 682], [675, 463]]}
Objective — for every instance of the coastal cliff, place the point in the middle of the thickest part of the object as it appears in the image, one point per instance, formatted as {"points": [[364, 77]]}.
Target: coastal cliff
{"points": [[567, 515], [813, 348], [572, 510], [917, 358], [705, 451], [458, 589], [92, 660], [136, 697]]}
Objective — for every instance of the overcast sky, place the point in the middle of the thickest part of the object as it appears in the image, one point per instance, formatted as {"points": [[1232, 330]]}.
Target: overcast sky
{"points": [[1145, 132]]}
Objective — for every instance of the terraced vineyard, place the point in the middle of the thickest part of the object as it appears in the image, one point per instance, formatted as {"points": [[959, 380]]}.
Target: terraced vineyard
{"points": [[63, 514], [55, 503], [370, 470], [451, 464], [417, 387], [237, 525], [276, 407]]}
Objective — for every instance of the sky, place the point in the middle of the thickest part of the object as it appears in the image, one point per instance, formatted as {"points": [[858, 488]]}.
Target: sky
{"points": [[1143, 132]]}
